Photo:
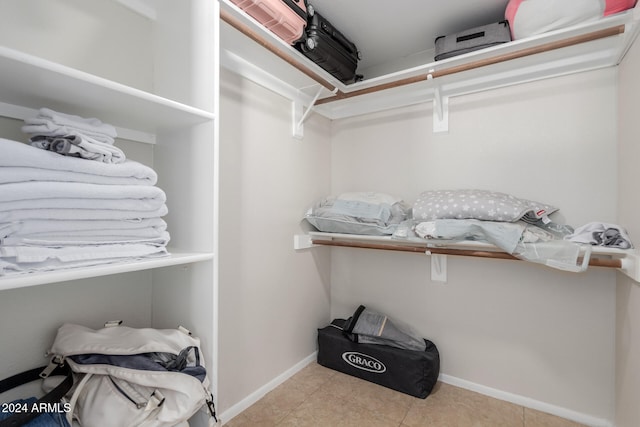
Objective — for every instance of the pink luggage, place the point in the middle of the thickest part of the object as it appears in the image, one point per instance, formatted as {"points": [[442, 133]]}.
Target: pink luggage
{"points": [[286, 18]]}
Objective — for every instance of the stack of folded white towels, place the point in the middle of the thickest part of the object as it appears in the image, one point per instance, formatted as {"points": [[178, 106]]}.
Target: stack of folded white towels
{"points": [[60, 211], [72, 135]]}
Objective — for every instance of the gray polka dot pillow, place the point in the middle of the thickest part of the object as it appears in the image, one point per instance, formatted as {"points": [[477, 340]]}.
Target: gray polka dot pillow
{"points": [[477, 204]]}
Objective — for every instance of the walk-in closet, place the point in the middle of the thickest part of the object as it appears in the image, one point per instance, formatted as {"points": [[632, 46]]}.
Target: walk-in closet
{"points": [[246, 134]]}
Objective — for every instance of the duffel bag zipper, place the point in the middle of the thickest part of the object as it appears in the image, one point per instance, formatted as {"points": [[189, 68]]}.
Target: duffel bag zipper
{"points": [[139, 404]]}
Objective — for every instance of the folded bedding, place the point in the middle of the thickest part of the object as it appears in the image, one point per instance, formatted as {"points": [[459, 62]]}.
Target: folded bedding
{"points": [[520, 227], [71, 135], [77, 145], [368, 213], [63, 211], [80, 214], [83, 232], [505, 235], [29, 260], [81, 227], [26, 254], [88, 241], [524, 241], [22, 162], [75, 195], [54, 119]]}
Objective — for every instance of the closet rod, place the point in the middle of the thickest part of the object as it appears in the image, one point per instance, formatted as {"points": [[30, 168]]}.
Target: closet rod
{"points": [[607, 32], [244, 29], [593, 262]]}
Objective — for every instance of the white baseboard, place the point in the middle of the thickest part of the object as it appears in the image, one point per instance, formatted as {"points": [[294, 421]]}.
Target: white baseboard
{"points": [[227, 415], [448, 379], [527, 402]]}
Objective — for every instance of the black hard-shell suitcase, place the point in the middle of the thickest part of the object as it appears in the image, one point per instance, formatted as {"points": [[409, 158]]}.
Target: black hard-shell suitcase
{"points": [[473, 39], [330, 49], [407, 371]]}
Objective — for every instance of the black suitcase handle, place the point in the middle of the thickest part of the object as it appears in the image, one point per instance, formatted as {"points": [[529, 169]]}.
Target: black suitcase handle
{"points": [[343, 40], [335, 34], [295, 6], [470, 37]]}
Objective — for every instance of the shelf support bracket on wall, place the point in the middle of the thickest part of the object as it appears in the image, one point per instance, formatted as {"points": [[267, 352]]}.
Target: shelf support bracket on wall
{"points": [[302, 241], [438, 267], [299, 115], [440, 108], [631, 266]]}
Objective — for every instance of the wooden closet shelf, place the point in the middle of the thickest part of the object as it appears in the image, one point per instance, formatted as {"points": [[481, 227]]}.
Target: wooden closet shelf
{"points": [[593, 262], [624, 260], [547, 47]]}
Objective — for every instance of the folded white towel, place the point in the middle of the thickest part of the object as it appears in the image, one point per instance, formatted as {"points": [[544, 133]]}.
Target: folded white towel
{"points": [[22, 162], [27, 227], [62, 232], [8, 229], [47, 128], [75, 144], [10, 267], [89, 125], [78, 253], [72, 135], [75, 195], [23, 260], [81, 214], [91, 241]]}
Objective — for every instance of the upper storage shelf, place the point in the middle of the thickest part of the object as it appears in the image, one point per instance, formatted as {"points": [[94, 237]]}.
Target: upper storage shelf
{"points": [[29, 82], [254, 52]]}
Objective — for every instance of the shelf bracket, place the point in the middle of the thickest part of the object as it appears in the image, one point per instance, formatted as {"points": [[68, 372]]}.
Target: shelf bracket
{"points": [[299, 115], [302, 241], [631, 266], [440, 108], [438, 267]]}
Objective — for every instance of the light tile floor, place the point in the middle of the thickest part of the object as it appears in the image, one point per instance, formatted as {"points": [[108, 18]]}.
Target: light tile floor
{"points": [[317, 396]]}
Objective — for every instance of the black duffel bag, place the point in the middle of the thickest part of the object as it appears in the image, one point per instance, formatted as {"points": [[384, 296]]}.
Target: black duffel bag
{"points": [[411, 371]]}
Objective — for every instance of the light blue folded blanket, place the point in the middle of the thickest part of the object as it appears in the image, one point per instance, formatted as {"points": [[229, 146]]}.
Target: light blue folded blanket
{"points": [[505, 235]]}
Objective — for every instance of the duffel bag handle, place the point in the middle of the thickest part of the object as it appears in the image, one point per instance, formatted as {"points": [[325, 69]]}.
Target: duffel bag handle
{"points": [[53, 397]]}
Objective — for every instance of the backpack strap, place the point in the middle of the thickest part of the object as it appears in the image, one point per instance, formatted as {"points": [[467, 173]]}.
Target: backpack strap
{"points": [[53, 396]]}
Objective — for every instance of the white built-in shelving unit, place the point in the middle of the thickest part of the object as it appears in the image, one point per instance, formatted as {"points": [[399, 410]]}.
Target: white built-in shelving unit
{"points": [[174, 120]]}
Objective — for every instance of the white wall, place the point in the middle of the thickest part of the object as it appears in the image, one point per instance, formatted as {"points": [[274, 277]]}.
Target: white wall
{"points": [[628, 294], [99, 42], [272, 298], [520, 328]]}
